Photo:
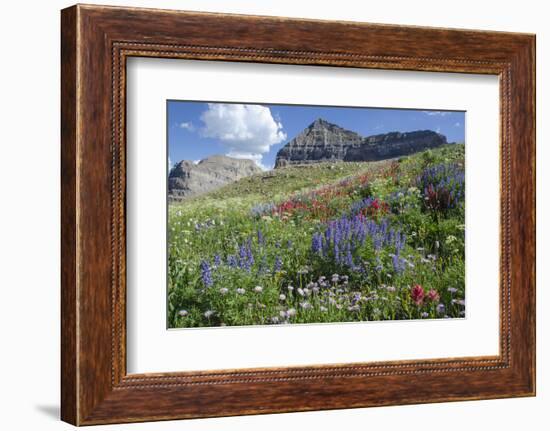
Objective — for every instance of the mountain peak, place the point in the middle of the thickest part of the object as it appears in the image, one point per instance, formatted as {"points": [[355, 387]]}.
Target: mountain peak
{"points": [[322, 141], [321, 123], [188, 178]]}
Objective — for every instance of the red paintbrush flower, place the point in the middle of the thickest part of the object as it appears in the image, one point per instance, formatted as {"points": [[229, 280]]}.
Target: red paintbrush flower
{"points": [[417, 294], [433, 295]]}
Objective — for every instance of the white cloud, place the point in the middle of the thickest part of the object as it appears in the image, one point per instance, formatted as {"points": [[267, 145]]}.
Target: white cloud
{"points": [[245, 130], [437, 113], [257, 158], [457, 124], [170, 166], [187, 125]]}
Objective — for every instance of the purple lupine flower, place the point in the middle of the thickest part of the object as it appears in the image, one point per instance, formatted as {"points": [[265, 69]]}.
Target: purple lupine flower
{"points": [[349, 259], [206, 274], [250, 256], [358, 206], [217, 260], [355, 298], [398, 263], [243, 260], [336, 253], [317, 243], [395, 263], [443, 186], [261, 239], [232, 261], [246, 258], [344, 236], [278, 264]]}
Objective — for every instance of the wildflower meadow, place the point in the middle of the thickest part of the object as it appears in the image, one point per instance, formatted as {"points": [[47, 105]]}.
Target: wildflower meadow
{"points": [[327, 242]]}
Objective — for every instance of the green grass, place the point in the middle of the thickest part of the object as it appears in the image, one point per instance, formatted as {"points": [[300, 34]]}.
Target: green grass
{"points": [[282, 182], [233, 253]]}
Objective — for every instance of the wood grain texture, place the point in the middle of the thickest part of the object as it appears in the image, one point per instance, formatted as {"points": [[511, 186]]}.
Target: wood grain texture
{"points": [[96, 41], [69, 397]]}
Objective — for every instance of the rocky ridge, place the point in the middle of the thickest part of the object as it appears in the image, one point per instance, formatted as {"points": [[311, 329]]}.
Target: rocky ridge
{"points": [[322, 141], [188, 179]]}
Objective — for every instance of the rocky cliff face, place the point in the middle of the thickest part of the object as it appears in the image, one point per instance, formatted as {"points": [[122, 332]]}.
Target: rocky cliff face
{"points": [[187, 179], [323, 141]]}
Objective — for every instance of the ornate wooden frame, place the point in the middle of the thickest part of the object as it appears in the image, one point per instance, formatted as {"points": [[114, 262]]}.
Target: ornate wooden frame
{"points": [[95, 43]]}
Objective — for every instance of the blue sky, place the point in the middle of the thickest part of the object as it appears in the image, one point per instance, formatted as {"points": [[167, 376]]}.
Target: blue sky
{"points": [[257, 131]]}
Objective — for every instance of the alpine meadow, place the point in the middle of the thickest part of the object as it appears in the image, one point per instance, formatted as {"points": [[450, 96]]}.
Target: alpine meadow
{"points": [[329, 226]]}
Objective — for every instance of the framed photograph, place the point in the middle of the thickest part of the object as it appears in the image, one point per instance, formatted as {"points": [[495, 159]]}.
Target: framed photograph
{"points": [[263, 214]]}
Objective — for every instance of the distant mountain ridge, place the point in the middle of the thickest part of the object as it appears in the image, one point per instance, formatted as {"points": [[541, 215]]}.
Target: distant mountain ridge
{"points": [[322, 141], [187, 178]]}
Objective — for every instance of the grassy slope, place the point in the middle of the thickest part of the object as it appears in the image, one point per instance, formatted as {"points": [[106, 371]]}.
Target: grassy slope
{"points": [[283, 181], [279, 183], [224, 223]]}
